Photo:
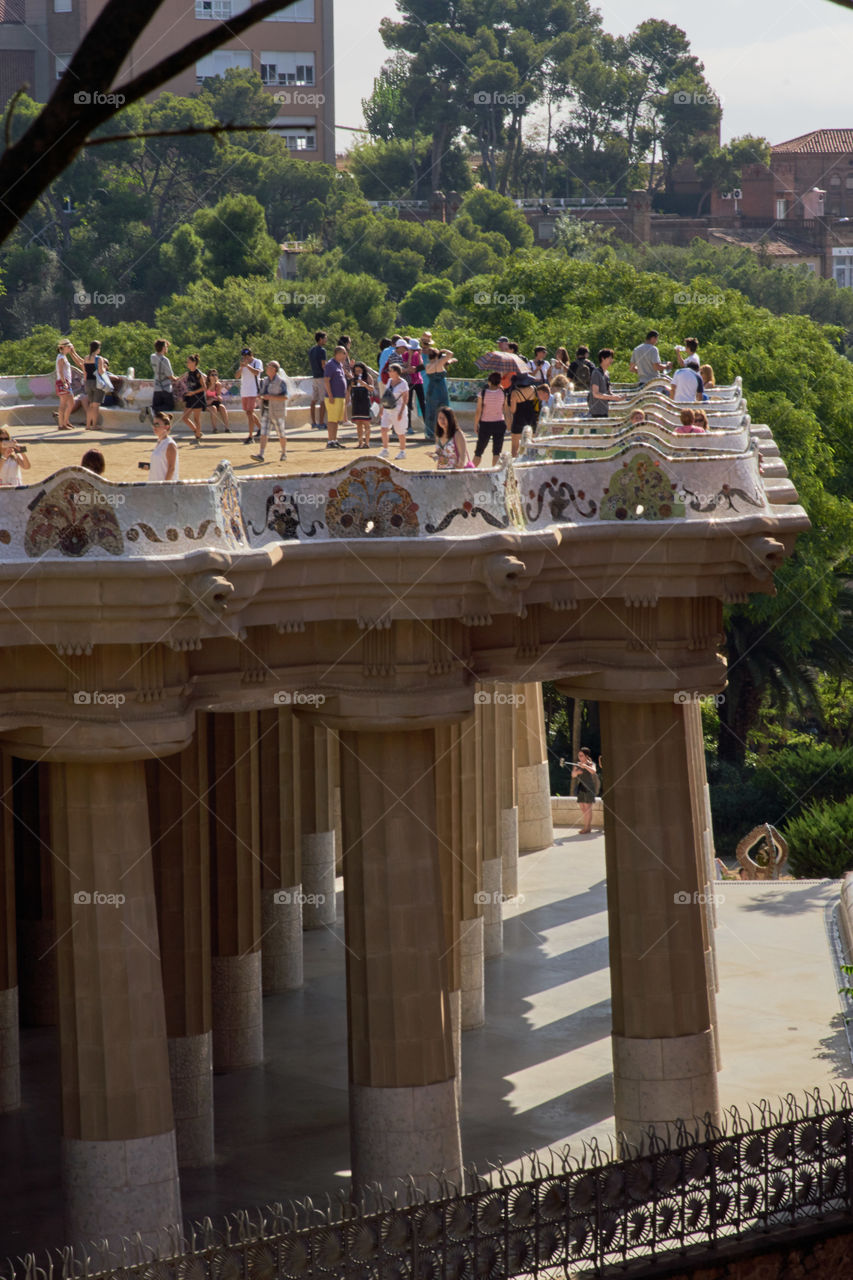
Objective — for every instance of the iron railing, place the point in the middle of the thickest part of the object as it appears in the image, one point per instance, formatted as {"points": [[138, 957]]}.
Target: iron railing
{"points": [[777, 1169]]}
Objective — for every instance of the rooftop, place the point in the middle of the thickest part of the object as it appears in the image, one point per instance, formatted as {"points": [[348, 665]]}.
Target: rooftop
{"points": [[818, 142]]}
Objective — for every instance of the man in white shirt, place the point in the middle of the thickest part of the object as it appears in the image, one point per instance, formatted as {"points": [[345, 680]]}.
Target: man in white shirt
{"points": [[250, 374], [645, 359], [687, 385], [539, 366]]}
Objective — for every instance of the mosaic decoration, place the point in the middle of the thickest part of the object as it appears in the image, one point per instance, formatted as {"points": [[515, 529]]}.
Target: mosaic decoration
{"points": [[229, 504], [559, 496], [725, 496], [284, 517], [467, 509], [370, 504], [72, 519], [172, 535], [514, 505], [641, 490]]}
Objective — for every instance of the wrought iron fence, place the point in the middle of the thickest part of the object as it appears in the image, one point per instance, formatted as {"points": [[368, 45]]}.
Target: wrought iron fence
{"points": [[775, 1168]]}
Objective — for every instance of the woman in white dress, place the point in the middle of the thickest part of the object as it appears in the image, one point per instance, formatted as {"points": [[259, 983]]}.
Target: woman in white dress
{"points": [[12, 462], [164, 465]]}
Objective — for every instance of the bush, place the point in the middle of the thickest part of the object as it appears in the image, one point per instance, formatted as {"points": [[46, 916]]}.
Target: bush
{"points": [[820, 840]]}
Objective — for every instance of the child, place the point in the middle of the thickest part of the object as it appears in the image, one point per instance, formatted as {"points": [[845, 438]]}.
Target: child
{"points": [[215, 403]]}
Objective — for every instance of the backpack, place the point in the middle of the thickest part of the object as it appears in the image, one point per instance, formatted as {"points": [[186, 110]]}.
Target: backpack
{"points": [[389, 400]]}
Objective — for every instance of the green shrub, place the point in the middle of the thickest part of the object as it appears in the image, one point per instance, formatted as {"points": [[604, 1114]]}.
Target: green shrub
{"points": [[820, 839]]}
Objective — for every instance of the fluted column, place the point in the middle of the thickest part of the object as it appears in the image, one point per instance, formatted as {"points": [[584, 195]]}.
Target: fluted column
{"points": [[318, 825], [491, 887], [403, 1106], [663, 1036], [119, 1161], [178, 808], [505, 715], [697, 775], [471, 928], [535, 826], [34, 874], [281, 851], [238, 1038], [449, 799], [10, 1056]]}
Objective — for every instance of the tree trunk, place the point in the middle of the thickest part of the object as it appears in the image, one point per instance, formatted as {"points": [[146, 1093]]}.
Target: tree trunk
{"points": [[738, 715], [439, 142], [577, 712]]}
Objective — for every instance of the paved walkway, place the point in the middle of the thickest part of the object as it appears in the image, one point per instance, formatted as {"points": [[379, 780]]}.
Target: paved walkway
{"points": [[537, 1075]]}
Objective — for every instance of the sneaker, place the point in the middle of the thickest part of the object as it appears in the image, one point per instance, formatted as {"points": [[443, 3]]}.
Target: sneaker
{"points": [[143, 413], [383, 453], [248, 440], [336, 444], [330, 444], [398, 456], [258, 457], [283, 458]]}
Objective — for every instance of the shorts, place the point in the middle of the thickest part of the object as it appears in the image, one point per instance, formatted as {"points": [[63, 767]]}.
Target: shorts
{"points": [[214, 402], [494, 431], [94, 392], [195, 401], [273, 422], [318, 389], [335, 409], [162, 402], [249, 403]]}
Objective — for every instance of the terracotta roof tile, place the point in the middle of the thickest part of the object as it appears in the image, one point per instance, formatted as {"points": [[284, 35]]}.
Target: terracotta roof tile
{"points": [[824, 142]]}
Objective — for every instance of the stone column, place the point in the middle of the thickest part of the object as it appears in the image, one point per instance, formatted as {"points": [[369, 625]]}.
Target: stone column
{"points": [[505, 709], [471, 948], [663, 1037], [238, 1034], [119, 1162], [178, 808], [535, 827], [335, 799], [449, 783], [403, 1108], [491, 868], [697, 775], [318, 826], [281, 851], [10, 1056], [34, 874]]}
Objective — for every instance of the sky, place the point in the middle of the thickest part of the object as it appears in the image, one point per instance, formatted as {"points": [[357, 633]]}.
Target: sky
{"points": [[780, 67]]}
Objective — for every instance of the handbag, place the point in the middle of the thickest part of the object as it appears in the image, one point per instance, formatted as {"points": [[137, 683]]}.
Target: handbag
{"points": [[102, 379]]}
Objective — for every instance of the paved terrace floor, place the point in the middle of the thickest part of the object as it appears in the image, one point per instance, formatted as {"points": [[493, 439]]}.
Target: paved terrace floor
{"points": [[536, 1075]]}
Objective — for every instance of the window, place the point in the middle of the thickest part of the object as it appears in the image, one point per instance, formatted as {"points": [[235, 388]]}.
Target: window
{"points": [[62, 60], [216, 64], [835, 180], [61, 6], [781, 208], [301, 11], [287, 68], [12, 11], [218, 9]]}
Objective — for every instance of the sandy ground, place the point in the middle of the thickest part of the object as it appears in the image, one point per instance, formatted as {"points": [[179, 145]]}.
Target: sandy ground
{"points": [[125, 446]]}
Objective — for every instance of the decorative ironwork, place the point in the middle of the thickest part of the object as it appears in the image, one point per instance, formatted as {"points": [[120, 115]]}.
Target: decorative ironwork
{"points": [[779, 1167]]}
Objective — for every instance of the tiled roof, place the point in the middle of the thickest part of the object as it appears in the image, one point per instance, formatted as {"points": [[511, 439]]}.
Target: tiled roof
{"points": [[777, 245], [820, 142]]}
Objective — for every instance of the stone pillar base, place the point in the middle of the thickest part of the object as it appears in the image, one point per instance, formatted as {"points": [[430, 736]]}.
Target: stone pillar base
{"points": [[191, 1072], [535, 826], [10, 1051], [37, 980], [493, 916], [281, 939], [396, 1133], [509, 850], [472, 973], [658, 1081], [238, 1028], [119, 1188], [318, 880]]}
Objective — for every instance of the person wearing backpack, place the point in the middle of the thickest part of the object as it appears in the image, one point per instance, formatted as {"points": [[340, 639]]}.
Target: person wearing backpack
{"points": [[589, 786], [581, 369], [395, 400], [273, 389], [163, 399], [491, 418]]}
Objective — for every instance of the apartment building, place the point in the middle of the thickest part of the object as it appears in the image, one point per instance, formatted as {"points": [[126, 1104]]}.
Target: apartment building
{"points": [[293, 51]]}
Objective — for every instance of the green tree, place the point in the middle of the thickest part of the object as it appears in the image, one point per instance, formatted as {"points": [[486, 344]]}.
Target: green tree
{"points": [[493, 212], [235, 238]]}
